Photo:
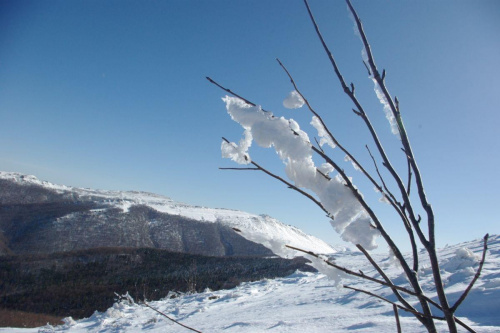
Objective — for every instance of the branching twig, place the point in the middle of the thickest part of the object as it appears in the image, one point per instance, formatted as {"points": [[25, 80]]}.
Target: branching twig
{"points": [[232, 93], [330, 134], [368, 123], [350, 272], [401, 213], [391, 196], [363, 276], [430, 243]]}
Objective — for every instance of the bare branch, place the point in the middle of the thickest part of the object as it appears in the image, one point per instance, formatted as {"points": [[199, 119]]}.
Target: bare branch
{"points": [[319, 146], [429, 244], [397, 206], [384, 276], [364, 116], [232, 93], [242, 169], [396, 314], [410, 274], [169, 318], [367, 68], [359, 274], [416, 313], [381, 178], [478, 273], [324, 175]]}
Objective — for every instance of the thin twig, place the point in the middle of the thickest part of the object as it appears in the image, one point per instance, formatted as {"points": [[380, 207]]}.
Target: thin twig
{"points": [[416, 313], [319, 146], [430, 243], [384, 276], [381, 178], [478, 273], [402, 215], [169, 318], [350, 272], [367, 121], [396, 314], [232, 93], [290, 185], [244, 169], [363, 276]]}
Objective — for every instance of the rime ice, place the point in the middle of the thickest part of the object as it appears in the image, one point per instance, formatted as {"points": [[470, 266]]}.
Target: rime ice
{"points": [[293, 100], [294, 149]]}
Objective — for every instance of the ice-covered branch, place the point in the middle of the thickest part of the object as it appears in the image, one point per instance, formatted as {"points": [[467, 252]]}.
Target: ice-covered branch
{"points": [[323, 130], [429, 243], [361, 112], [288, 184], [295, 150], [384, 93]]}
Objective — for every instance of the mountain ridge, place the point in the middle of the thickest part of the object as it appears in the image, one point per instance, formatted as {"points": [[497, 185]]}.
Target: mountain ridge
{"points": [[85, 210]]}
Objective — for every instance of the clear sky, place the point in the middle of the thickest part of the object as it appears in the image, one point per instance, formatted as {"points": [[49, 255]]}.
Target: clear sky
{"points": [[112, 95]]}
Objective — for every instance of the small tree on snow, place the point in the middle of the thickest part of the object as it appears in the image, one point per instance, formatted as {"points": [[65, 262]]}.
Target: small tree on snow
{"points": [[336, 194]]}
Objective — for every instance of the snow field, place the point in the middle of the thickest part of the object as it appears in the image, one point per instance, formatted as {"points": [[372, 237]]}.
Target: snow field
{"points": [[310, 302]]}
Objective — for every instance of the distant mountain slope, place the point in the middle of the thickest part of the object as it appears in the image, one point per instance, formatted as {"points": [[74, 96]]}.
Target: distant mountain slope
{"points": [[77, 283], [37, 216]]}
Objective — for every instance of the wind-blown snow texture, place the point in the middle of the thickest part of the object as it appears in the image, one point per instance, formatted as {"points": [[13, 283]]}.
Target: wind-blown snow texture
{"points": [[309, 302], [262, 229]]}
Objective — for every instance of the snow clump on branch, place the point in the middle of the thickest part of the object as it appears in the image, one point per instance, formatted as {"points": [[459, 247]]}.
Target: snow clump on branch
{"points": [[294, 149], [238, 153], [322, 133], [293, 100]]}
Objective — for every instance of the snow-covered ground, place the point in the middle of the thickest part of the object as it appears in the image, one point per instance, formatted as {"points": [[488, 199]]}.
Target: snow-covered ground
{"points": [[310, 302]]}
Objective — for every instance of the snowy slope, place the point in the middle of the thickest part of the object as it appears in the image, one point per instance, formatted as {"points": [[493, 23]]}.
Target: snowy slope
{"points": [[309, 302], [257, 228]]}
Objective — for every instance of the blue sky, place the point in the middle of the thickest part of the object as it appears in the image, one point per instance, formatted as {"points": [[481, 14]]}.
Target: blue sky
{"points": [[112, 95]]}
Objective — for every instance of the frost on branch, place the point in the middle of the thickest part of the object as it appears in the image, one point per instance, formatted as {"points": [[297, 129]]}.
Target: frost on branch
{"points": [[293, 100], [324, 137], [294, 149], [354, 165], [378, 91], [238, 153], [387, 108]]}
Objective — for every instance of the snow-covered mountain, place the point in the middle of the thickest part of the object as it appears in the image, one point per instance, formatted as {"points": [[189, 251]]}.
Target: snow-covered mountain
{"points": [[310, 302], [80, 217]]}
